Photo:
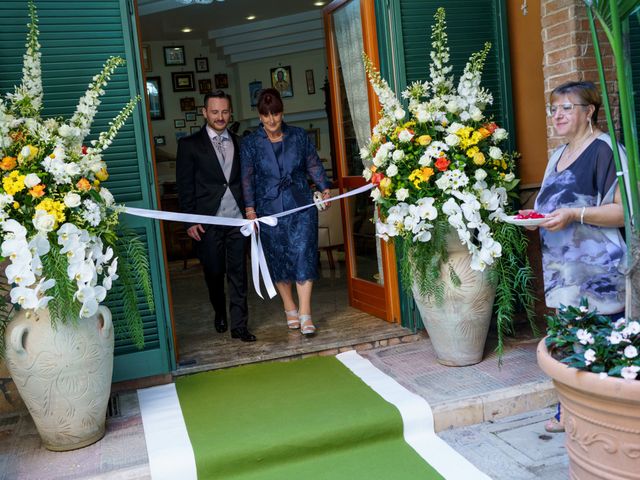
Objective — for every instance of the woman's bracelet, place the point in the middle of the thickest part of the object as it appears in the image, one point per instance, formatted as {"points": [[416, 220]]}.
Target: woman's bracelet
{"points": [[249, 210], [582, 215]]}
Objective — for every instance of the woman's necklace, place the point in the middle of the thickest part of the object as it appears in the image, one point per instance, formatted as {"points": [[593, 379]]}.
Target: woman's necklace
{"points": [[274, 138]]}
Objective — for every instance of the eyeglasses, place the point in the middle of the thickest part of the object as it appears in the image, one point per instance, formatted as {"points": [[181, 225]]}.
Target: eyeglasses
{"points": [[565, 108]]}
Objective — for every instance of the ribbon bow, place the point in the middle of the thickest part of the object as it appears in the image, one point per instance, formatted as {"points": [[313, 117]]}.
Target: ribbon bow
{"points": [[273, 192]]}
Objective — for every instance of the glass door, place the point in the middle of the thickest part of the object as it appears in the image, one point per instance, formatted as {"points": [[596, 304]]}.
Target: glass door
{"points": [[349, 31]]}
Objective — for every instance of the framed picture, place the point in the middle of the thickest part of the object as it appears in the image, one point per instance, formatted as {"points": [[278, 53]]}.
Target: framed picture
{"points": [[159, 141], [314, 137], [179, 123], [183, 81], [254, 91], [194, 129], [281, 81], [204, 86], [190, 116], [311, 84], [174, 56], [187, 104], [202, 64], [146, 58], [154, 93], [221, 79], [180, 135]]}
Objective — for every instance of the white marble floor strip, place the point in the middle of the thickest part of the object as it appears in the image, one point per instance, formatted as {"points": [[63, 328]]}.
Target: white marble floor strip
{"points": [[168, 445], [417, 418]]}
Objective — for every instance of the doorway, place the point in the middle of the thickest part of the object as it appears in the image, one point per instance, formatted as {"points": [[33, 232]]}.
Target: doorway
{"points": [[187, 50]]}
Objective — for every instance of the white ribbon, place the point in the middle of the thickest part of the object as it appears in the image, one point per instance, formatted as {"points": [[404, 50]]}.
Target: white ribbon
{"points": [[247, 228]]}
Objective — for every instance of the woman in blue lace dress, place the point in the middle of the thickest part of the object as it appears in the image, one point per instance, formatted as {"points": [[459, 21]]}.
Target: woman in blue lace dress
{"points": [[582, 246], [276, 160]]}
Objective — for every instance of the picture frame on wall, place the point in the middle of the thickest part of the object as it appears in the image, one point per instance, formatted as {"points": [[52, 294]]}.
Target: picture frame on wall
{"points": [[204, 86], [311, 84], [190, 116], [194, 129], [174, 56], [154, 94], [183, 81], [202, 64], [314, 137], [159, 141], [146, 58], [187, 104], [221, 80], [180, 135], [281, 81], [179, 123], [254, 92]]}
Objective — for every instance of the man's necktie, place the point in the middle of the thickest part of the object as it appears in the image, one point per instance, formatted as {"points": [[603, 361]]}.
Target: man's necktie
{"points": [[219, 144]]}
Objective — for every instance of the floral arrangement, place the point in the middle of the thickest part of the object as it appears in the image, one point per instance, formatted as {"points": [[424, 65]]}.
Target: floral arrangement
{"points": [[585, 340], [58, 222], [439, 164]]}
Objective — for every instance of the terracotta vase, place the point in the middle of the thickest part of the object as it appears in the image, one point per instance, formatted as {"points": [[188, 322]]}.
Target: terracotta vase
{"points": [[63, 374], [458, 327], [602, 421]]}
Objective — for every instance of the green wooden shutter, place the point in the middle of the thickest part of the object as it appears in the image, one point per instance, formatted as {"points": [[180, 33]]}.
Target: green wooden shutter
{"points": [[404, 43], [77, 37]]}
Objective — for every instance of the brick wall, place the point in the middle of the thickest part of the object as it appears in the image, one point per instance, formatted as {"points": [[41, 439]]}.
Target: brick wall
{"points": [[569, 54]]}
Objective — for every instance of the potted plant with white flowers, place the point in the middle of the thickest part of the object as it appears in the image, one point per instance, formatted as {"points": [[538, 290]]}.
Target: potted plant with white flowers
{"points": [[63, 249], [443, 181], [595, 367]]}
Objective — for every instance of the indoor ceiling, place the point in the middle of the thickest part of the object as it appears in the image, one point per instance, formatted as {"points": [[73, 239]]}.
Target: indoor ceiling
{"points": [[164, 19]]}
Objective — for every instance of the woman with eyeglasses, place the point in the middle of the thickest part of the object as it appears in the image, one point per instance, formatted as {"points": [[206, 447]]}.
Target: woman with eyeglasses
{"points": [[582, 246]]}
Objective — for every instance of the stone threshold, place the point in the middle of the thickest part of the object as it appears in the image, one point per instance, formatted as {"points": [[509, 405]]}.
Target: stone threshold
{"points": [[329, 349]]}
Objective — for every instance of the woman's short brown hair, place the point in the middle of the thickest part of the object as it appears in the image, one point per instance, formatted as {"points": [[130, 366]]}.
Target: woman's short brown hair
{"points": [[587, 92], [269, 101]]}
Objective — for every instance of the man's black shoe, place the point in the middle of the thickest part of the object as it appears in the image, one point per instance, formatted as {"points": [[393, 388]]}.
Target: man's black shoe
{"points": [[220, 324], [243, 334]]}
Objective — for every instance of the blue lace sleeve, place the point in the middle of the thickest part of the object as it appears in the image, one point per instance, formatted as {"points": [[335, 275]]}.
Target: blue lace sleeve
{"points": [[247, 159], [314, 166]]}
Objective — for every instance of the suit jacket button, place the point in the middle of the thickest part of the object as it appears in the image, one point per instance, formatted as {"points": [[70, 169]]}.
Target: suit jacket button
{"points": [[224, 185]]}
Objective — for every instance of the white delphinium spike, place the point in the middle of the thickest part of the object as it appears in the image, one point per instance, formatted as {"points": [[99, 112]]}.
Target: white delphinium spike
{"points": [[80, 124], [27, 98], [105, 138], [439, 68]]}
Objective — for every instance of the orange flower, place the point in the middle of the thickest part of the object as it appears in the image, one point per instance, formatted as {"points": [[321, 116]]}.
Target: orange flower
{"points": [[37, 191], [83, 184], [484, 132], [376, 178], [16, 136], [491, 126], [8, 163], [442, 164]]}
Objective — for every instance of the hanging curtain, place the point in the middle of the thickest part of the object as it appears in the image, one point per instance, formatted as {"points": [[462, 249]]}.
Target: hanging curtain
{"points": [[348, 34]]}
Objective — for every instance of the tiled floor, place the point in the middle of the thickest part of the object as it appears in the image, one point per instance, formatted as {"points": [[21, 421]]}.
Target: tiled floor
{"points": [[201, 347]]}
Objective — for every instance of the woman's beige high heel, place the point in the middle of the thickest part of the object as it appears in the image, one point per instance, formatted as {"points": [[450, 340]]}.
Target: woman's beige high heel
{"points": [[306, 325], [293, 319]]}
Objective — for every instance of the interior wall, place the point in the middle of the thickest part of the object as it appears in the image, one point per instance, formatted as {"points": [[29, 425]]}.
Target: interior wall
{"points": [[525, 43], [303, 109]]}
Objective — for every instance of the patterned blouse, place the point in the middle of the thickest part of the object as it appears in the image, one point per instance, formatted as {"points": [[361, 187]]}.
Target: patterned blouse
{"points": [[582, 260]]}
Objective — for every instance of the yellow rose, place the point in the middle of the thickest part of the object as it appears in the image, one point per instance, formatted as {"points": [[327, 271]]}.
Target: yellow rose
{"points": [[478, 158], [102, 175], [424, 140]]}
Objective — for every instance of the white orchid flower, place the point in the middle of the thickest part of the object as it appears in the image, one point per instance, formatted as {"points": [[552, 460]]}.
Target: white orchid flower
{"points": [[15, 229], [81, 272], [25, 297], [39, 244], [20, 274]]}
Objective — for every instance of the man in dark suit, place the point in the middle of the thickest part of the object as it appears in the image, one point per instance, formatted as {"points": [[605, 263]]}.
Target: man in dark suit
{"points": [[208, 180]]}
